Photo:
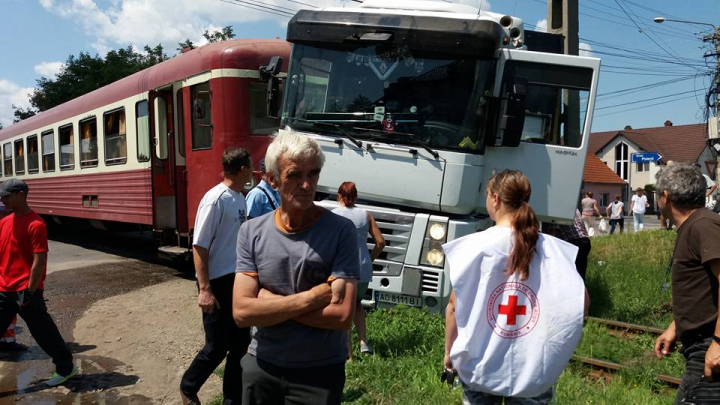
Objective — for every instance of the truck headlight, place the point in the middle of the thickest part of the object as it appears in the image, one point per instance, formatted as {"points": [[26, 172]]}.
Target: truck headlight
{"points": [[432, 253], [435, 257], [437, 231]]}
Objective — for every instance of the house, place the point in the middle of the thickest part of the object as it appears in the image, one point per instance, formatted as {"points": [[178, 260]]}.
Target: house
{"points": [[601, 181], [681, 143]]}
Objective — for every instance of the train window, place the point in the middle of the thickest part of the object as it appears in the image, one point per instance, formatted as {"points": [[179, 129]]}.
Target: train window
{"points": [[67, 148], [48, 151], [260, 123], [115, 138], [7, 159], [201, 116], [180, 108], [143, 130], [88, 143], [33, 154], [19, 157], [161, 128]]}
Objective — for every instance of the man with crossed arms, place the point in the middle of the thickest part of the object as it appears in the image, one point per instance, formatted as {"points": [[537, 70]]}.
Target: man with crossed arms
{"points": [[287, 262]]}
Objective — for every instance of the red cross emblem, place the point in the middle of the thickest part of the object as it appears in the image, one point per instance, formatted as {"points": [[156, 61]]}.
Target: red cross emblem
{"points": [[512, 309]]}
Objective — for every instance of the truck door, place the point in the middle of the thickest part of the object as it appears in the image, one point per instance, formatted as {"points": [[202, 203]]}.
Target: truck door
{"points": [[554, 139], [163, 161]]}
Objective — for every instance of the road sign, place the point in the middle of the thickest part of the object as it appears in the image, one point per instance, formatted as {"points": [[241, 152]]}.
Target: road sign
{"points": [[643, 157]]}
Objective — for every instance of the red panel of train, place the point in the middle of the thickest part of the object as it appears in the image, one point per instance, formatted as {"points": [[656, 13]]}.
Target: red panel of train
{"points": [[144, 150]]}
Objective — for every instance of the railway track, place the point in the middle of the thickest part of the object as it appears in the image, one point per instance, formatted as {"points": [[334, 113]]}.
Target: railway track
{"points": [[609, 367]]}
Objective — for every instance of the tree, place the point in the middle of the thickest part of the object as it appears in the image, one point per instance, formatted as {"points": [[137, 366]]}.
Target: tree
{"points": [[187, 44], [84, 73], [224, 34], [22, 113]]}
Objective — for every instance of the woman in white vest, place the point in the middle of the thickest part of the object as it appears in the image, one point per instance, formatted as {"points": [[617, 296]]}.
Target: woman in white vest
{"points": [[516, 311]]}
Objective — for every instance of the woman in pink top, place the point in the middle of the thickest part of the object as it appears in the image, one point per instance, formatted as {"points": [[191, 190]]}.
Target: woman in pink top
{"points": [[589, 209]]}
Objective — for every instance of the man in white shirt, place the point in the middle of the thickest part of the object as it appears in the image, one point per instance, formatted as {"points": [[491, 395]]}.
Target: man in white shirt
{"points": [[220, 214], [637, 206]]}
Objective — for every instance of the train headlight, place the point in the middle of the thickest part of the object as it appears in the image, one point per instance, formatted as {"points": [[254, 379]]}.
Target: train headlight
{"points": [[437, 231]]}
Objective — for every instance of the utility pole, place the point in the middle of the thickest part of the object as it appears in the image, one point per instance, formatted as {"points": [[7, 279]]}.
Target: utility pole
{"points": [[714, 38], [562, 18]]}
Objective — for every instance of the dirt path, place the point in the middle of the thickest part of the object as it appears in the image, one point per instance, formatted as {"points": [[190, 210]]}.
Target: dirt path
{"points": [[154, 332], [133, 328]]}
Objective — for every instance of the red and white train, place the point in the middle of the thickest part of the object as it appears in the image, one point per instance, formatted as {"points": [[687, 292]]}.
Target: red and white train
{"points": [[145, 149]]}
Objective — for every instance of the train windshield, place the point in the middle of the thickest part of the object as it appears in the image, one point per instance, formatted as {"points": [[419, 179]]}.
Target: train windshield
{"points": [[390, 93]]}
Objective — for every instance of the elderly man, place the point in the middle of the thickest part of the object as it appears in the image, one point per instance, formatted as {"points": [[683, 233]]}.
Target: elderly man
{"points": [[297, 273], [695, 272]]}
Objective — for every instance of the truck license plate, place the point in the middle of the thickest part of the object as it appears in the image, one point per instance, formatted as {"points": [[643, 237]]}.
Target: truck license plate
{"points": [[398, 299]]}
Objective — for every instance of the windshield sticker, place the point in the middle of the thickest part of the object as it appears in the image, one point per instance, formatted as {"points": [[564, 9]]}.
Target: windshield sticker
{"points": [[384, 64], [379, 113]]}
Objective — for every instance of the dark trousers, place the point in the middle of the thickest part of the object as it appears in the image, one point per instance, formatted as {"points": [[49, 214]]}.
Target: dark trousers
{"points": [[694, 368], [267, 384], [41, 326], [222, 338], [581, 260], [480, 398], [613, 222]]}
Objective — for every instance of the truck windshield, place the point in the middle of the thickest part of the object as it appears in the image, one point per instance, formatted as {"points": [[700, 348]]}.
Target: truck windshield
{"points": [[378, 90]]}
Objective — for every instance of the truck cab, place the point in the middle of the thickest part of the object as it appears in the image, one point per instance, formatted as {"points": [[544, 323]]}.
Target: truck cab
{"points": [[419, 103]]}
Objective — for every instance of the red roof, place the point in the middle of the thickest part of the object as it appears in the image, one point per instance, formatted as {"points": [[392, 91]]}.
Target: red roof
{"points": [[681, 143], [596, 171], [235, 54]]}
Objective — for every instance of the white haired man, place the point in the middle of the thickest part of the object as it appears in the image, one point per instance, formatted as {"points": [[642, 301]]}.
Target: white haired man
{"points": [[695, 273], [297, 274]]}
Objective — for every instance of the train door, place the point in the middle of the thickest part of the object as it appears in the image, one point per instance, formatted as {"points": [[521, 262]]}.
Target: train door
{"points": [[163, 165]]}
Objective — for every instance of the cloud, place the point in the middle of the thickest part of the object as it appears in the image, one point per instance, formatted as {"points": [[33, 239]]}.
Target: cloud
{"points": [[541, 25], [136, 22], [585, 49], [11, 93], [48, 69]]}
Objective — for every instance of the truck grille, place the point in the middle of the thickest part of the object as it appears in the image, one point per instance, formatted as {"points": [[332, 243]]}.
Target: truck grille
{"points": [[395, 228], [430, 281]]}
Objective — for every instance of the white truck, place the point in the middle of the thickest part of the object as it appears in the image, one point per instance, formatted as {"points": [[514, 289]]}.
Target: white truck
{"points": [[419, 103]]}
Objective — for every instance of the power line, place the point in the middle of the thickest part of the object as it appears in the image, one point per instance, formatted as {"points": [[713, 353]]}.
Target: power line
{"points": [[644, 100], [627, 91], [253, 6], [645, 106]]}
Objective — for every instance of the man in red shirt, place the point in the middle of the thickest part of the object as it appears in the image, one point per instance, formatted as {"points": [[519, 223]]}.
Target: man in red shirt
{"points": [[23, 259]]}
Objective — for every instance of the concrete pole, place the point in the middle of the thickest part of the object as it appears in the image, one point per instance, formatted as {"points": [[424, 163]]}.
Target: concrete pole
{"points": [[563, 19]]}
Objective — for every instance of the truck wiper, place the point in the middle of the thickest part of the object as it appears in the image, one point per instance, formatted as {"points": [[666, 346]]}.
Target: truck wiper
{"points": [[402, 134], [340, 129]]}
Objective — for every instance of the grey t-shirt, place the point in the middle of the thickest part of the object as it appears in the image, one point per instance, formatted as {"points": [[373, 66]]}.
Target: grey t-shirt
{"points": [[289, 263]]}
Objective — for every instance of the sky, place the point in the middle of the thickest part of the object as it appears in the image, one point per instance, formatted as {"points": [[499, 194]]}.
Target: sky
{"points": [[650, 72]]}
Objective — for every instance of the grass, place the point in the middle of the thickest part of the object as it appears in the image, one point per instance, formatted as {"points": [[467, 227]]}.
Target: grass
{"points": [[409, 342], [626, 274]]}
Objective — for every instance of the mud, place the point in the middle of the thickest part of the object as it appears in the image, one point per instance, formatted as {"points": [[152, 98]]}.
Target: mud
{"points": [[69, 295]]}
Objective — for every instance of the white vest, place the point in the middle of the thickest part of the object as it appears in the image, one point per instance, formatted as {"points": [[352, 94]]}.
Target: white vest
{"points": [[514, 337]]}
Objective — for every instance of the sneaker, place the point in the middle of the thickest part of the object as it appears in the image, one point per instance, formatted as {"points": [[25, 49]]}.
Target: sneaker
{"points": [[12, 347], [58, 379], [365, 348], [189, 399]]}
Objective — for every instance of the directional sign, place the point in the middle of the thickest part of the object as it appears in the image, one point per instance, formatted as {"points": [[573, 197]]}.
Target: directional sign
{"points": [[642, 157]]}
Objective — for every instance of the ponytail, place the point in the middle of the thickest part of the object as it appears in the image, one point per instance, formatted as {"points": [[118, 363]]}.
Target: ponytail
{"points": [[527, 232], [513, 189]]}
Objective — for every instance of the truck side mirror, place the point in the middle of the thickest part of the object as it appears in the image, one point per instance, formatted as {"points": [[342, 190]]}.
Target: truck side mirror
{"points": [[513, 120], [270, 74]]}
